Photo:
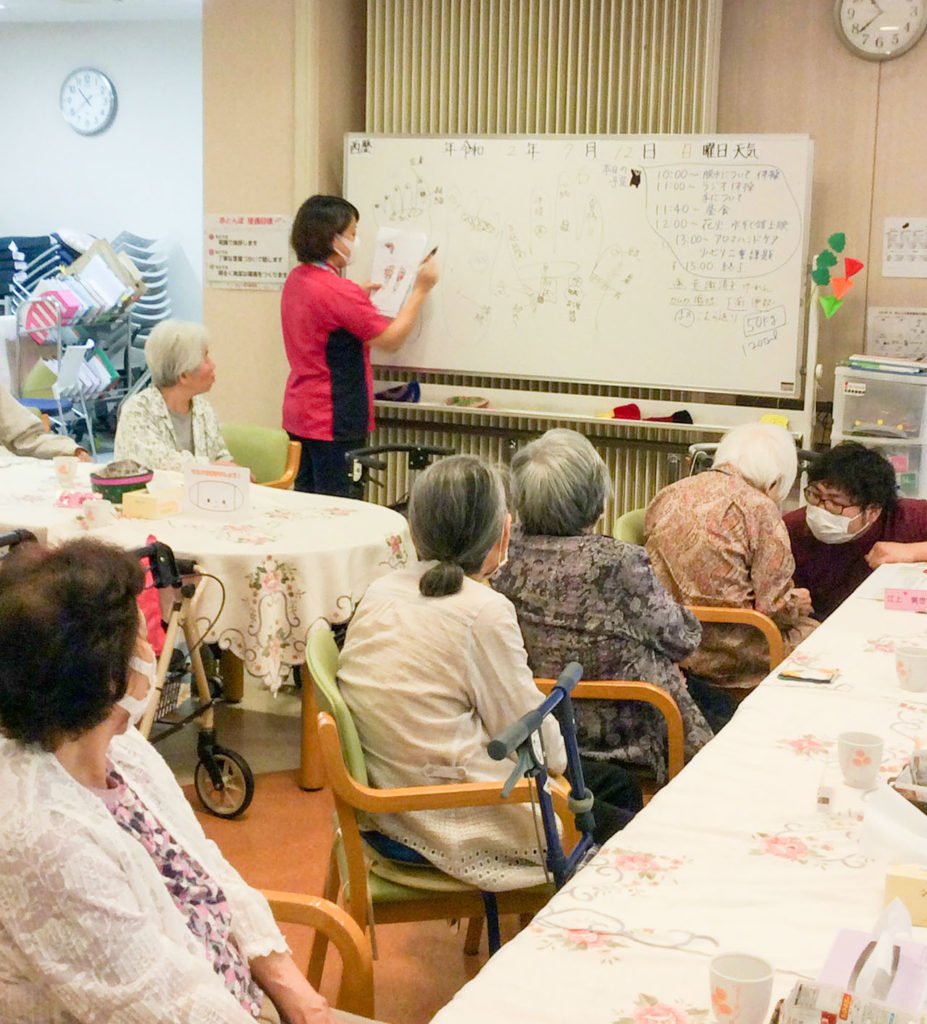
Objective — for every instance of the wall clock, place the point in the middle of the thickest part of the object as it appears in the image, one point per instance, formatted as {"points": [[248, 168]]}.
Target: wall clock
{"points": [[880, 29], [88, 101]]}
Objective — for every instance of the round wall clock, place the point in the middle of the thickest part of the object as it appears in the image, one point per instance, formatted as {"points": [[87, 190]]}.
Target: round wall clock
{"points": [[88, 101], [880, 30]]}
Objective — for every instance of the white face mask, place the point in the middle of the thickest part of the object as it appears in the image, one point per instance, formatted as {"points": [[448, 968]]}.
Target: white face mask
{"points": [[346, 249], [829, 528], [137, 706]]}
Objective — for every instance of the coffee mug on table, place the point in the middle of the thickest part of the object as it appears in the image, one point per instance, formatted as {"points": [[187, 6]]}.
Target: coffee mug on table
{"points": [[860, 756], [911, 666], [741, 987], [65, 469]]}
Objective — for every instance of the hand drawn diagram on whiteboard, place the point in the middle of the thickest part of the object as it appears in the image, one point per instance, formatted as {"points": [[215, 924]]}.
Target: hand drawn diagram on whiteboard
{"points": [[663, 261]]}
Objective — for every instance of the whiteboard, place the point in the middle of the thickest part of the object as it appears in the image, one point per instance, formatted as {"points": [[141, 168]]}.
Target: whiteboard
{"points": [[657, 261]]}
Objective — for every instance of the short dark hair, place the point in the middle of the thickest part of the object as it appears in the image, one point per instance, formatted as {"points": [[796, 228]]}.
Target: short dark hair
{"points": [[68, 622], [867, 477], [317, 222]]}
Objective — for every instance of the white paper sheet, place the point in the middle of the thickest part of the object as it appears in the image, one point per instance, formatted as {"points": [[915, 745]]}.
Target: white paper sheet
{"points": [[396, 260]]}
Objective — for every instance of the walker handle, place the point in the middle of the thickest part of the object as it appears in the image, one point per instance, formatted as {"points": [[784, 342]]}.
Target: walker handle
{"points": [[512, 736]]}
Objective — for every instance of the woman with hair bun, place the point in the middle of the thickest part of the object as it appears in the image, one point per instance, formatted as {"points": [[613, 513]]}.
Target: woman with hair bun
{"points": [[434, 666]]}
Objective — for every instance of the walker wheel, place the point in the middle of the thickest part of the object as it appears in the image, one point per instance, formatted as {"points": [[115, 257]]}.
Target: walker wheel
{"points": [[236, 791]]}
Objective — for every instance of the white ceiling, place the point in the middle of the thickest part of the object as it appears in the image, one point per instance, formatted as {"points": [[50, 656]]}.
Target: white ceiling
{"points": [[98, 10]]}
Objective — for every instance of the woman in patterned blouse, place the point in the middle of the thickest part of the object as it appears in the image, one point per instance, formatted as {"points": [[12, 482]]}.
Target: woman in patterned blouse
{"points": [[581, 596], [113, 904], [718, 539]]}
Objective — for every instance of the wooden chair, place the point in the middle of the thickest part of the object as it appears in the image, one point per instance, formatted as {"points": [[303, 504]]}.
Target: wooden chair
{"points": [[355, 991], [267, 451], [596, 689], [377, 889], [745, 617]]}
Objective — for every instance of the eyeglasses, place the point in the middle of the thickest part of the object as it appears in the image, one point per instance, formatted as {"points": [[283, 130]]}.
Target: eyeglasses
{"points": [[838, 508]]}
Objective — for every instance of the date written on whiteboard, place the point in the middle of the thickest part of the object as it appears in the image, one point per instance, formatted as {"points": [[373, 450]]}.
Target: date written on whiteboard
{"points": [[767, 320]]}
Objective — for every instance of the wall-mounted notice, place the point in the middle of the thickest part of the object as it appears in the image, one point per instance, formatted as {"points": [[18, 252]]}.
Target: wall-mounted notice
{"points": [[904, 247], [897, 332], [662, 261], [244, 250]]}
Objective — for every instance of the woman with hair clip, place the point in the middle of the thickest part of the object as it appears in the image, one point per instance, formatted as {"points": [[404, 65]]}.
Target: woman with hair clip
{"points": [[434, 666], [329, 325]]}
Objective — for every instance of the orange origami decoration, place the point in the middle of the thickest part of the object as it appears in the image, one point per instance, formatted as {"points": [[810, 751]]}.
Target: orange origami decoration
{"points": [[851, 266], [841, 286]]}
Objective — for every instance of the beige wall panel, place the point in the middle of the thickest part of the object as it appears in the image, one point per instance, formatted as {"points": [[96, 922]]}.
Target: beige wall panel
{"points": [[248, 168], [265, 149], [783, 69], [900, 185]]}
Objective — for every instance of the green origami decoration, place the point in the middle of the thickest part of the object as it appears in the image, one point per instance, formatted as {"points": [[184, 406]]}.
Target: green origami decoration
{"points": [[830, 305], [821, 276], [826, 259], [837, 241]]}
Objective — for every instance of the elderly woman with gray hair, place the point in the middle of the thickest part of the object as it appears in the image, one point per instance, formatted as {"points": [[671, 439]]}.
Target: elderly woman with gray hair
{"points": [[586, 597], [718, 539], [434, 666], [171, 425]]}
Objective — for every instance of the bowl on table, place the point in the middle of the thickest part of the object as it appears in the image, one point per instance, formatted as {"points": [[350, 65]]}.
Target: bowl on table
{"points": [[114, 480]]}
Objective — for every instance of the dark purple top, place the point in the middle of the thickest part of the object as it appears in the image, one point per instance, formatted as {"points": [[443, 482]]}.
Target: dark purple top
{"points": [[833, 571]]}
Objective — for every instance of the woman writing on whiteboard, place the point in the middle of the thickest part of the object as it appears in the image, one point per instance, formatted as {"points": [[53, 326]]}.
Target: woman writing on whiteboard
{"points": [[329, 326]]}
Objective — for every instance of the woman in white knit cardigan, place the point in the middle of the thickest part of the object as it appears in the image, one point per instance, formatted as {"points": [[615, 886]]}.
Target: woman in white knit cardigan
{"points": [[113, 904]]}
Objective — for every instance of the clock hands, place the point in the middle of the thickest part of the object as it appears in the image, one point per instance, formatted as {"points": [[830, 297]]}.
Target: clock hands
{"points": [[83, 96], [875, 17]]}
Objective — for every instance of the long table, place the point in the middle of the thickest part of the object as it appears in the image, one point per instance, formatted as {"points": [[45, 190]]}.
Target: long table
{"points": [[735, 854]]}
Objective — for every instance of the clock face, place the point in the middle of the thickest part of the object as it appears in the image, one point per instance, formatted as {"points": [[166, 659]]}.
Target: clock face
{"points": [[88, 101], [880, 29]]}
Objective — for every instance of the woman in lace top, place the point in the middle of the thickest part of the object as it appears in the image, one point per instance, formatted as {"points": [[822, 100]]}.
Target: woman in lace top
{"points": [[581, 596], [113, 904], [171, 425]]}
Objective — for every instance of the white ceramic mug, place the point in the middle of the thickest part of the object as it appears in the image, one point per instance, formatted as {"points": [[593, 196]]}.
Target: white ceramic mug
{"points": [[860, 755], [741, 987], [911, 666], [98, 512], [65, 469]]}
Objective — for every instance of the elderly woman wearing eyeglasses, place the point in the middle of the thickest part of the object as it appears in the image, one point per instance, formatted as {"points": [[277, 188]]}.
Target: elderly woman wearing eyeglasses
{"points": [[853, 522]]}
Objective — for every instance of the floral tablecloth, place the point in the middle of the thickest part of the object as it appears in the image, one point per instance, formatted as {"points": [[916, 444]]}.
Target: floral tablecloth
{"points": [[294, 559], [735, 854]]}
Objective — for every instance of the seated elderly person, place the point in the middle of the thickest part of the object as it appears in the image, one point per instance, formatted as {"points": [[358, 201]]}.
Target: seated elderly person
{"points": [[717, 538], [22, 433], [433, 667], [113, 904], [584, 597], [171, 425], [854, 521]]}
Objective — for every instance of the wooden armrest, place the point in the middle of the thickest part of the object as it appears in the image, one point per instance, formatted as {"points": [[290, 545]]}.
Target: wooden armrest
{"points": [[745, 617], [649, 693], [355, 993], [293, 453]]}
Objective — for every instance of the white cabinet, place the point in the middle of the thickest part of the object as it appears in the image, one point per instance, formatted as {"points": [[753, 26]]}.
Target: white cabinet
{"points": [[887, 411]]}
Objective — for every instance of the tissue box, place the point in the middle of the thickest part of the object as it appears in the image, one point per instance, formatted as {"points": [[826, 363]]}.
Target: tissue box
{"points": [[908, 984], [905, 785], [908, 883], [142, 505], [809, 1003]]}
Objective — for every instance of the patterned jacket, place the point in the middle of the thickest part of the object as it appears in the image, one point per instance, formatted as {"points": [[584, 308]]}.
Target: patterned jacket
{"points": [[145, 433], [596, 600], [715, 539]]}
